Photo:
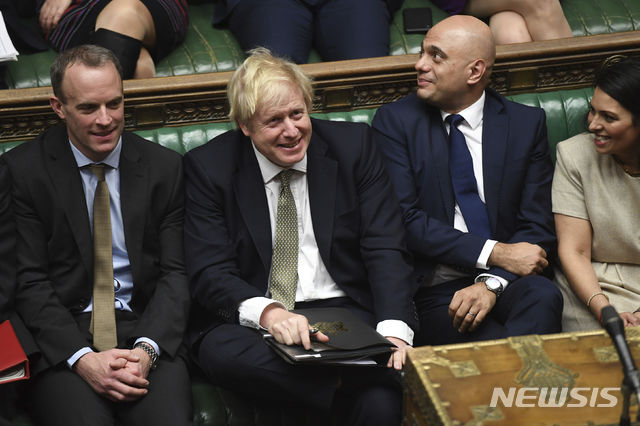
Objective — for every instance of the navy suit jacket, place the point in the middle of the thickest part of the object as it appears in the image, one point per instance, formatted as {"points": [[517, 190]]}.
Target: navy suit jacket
{"points": [[517, 173], [55, 248], [355, 215]]}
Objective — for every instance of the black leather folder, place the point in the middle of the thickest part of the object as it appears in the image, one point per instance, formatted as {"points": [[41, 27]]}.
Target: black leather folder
{"points": [[351, 341]]}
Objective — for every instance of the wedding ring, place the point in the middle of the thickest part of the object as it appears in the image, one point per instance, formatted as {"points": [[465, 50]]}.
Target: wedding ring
{"points": [[472, 314]]}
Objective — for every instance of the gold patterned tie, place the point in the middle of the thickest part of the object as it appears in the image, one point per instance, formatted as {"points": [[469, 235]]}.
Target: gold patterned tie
{"points": [[103, 316], [284, 265]]}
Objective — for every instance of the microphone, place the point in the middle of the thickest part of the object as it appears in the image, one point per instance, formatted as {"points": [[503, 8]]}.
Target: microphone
{"points": [[614, 326]]}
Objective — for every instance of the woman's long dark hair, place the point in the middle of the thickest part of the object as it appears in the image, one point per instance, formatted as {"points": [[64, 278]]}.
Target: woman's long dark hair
{"points": [[621, 81]]}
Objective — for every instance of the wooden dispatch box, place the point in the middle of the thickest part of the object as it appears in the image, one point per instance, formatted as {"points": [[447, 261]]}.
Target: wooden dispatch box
{"points": [[455, 384]]}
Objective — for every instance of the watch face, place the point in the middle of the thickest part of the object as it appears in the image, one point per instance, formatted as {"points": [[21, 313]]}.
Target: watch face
{"points": [[493, 283]]}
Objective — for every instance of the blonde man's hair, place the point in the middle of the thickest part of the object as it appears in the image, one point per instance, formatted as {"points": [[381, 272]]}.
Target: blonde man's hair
{"points": [[259, 81]]}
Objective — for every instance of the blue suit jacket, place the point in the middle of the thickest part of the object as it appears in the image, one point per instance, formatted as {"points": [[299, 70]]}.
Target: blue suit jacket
{"points": [[517, 179], [356, 221]]}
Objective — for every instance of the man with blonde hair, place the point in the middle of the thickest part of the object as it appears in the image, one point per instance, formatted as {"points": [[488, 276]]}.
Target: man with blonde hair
{"points": [[272, 190], [473, 175]]}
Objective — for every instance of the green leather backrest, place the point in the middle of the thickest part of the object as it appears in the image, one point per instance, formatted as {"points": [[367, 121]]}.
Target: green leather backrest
{"points": [[565, 110], [208, 49]]}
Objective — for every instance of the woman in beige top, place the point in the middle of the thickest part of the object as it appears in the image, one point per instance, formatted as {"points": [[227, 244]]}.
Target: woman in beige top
{"points": [[596, 202]]}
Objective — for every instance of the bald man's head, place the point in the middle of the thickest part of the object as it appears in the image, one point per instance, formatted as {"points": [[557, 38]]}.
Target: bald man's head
{"points": [[455, 63]]}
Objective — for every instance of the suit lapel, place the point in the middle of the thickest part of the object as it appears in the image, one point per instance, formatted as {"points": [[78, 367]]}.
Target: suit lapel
{"points": [[494, 147], [65, 176], [134, 202], [249, 191], [322, 181]]}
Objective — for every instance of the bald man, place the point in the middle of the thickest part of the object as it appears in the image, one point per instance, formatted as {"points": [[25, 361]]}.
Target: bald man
{"points": [[473, 174]]}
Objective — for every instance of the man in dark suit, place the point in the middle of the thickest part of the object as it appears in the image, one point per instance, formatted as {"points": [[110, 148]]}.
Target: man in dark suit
{"points": [[478, 212], [345, 238], [337, 29], [119, 364]]}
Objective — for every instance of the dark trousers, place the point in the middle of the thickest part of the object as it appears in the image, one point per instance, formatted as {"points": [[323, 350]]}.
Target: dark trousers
{"points": [[236, 357], [529, 305], [338, 29], [59, 396]]}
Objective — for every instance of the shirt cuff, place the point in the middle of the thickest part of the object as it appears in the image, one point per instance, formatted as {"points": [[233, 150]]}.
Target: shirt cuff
{"points": [[153, 344], [250, 311], [75, 357], [481, 263], [502, 280], [396, 328]]}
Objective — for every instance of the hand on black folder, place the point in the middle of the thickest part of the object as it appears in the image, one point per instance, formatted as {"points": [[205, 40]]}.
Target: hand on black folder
{"points": [[351, 341]]}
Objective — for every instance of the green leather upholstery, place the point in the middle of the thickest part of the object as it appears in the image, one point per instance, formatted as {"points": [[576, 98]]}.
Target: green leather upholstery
{"points": [[566, 111], [208, 49]]}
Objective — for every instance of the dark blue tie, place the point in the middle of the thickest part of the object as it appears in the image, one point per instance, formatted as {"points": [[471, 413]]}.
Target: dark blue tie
{"points": [[464, 182]]}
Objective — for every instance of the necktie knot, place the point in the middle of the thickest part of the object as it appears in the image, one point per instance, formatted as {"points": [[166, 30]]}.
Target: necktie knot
{"points": [[98, 170], [454, 119], [285, 177]]}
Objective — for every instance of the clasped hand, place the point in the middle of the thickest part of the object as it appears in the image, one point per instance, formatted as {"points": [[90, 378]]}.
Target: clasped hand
{"points": [[116, 374], [519, 258]]}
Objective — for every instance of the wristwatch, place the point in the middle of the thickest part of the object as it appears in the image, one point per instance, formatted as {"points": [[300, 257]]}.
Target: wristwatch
{"points": [[493, 284], [150, 351]]}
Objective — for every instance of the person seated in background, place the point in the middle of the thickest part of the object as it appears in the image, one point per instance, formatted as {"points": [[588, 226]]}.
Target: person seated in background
{"points": [[288, 211], [515, 21], [337, 29], [473, 174], [596, 195], [138, 32], [99, 254]]}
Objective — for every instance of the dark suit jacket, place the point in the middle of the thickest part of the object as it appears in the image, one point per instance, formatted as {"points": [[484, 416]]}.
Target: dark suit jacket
{"points": [[356, 221], [224, 7], [55, 249], [517, 173], [8, 282]]}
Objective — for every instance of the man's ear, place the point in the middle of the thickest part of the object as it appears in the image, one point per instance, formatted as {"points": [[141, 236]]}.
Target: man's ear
{"points": [[478, 68], [244, 128], [56, 105]]}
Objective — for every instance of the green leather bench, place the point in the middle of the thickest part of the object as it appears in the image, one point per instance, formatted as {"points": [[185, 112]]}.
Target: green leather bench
{"points": [[207, 49], [213, 406]]}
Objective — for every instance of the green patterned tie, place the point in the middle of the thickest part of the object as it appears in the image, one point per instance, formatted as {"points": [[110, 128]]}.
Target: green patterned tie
{"points": [[103, 316], [284, 265]]}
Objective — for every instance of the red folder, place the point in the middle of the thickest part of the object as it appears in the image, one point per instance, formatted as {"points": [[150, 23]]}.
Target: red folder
{"points": [[14, 364]]}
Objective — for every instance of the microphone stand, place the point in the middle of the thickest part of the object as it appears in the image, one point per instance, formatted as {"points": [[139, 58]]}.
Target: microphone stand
{"points": [[612, 322]]}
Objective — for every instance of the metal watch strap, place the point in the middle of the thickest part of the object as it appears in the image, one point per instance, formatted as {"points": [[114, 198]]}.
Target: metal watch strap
{"points": [[150, 351]]}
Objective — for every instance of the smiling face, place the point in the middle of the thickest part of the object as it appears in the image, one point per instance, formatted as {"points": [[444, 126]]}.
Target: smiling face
{"points": [[93, 108], [281, 129], [613, 129]]}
